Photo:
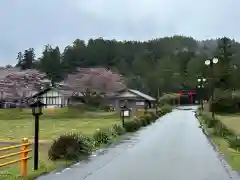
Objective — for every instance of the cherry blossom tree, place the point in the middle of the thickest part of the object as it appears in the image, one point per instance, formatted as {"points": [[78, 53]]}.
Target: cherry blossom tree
{"points": [[90, 81], [18, 85]]}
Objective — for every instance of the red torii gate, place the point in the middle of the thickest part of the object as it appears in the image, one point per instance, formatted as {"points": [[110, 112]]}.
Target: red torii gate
{"points": [[190, 94]]}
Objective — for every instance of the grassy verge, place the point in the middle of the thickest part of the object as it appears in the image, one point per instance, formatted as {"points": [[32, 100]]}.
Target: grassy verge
{"points": [[49, 130], [232, 121], [52, 125], [232, 156], [14, 130], [12, 172]]}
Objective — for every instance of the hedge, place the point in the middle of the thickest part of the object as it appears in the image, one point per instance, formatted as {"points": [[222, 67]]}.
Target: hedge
{"points": [[72, 146], [220, 130]]}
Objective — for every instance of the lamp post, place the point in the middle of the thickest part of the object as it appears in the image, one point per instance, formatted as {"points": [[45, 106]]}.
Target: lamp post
{"points": [[157, 101], [2, 98], [201, 86], [125, 112], [210, 63], [36, 111]]}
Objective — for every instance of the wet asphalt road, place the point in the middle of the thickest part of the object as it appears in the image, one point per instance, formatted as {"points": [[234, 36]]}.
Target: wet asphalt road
{"points": [[174, 148]]}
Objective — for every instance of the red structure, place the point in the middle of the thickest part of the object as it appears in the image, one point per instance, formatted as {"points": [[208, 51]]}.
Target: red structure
{"points": [[190, 94]]}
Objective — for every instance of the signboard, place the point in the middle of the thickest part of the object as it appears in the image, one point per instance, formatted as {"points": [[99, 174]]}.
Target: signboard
{"points": [[125, 113], [140, 103]]}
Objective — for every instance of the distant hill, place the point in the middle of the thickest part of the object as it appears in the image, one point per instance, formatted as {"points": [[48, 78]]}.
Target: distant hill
{"points": [[156, 65]]}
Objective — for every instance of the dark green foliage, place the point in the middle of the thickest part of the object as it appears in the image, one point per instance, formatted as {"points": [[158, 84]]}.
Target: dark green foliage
{"points": [[212, 123], [143, 121], [160, 113], [153, 116], [219, 129], [234, 142], [165, 109], [132, 125], [225, 70], [155, 66], [112, 133], [94, 101], [70, 147], [168, 99], [73, 146], [102, 136], [222, 130], [148, 119], [118, 129], [26, 60], [224, 102], [207, 118], [50, 63]]}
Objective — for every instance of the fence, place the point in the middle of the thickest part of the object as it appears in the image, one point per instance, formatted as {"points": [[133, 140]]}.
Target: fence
{"points": [[23, 156]]}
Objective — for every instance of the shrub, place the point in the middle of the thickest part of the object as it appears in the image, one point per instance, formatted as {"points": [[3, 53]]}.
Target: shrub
{"points": [[160, 113], [154, 116], [224, 102], [143, 121], [166, 109], [148, 119], [212, 123], [132, 125], [226, 131], [101, 136], [118, 129], [168, 99], [221, 130], [234, 142], [70, 147], [112, 133], [207, 118]]}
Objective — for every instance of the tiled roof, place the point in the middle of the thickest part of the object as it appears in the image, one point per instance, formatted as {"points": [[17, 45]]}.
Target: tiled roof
{"points": [[145, 96]]}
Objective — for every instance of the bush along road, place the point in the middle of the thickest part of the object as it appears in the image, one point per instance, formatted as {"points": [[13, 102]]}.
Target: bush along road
{"points": [[172, 148], [215, 129]]}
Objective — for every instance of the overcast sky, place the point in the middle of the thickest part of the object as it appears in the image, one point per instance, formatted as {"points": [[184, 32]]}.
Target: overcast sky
{"points": [[34, 23]]}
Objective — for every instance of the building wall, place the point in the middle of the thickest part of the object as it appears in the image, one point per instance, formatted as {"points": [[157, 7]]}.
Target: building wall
{"points": [[54, 99], [137, 103]]}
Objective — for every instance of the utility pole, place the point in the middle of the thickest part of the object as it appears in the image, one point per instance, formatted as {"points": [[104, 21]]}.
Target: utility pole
{"points": [[210, 63]]}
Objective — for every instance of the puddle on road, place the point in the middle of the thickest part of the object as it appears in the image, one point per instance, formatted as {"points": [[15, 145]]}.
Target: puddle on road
{"points": [[187, 108]]}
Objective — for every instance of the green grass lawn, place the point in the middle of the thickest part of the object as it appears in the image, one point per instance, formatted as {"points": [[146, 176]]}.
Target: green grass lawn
{"points": [[45, 165], [232, 121], [53, 124], [16, 124], [232, 156], [49, 129]]}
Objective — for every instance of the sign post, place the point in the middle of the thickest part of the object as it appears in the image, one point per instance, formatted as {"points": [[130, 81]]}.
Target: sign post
{"points": [[125, 112]]}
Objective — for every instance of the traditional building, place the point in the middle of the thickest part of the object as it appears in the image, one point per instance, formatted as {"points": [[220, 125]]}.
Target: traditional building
{"points": [[134, 99], [57, 98]]}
